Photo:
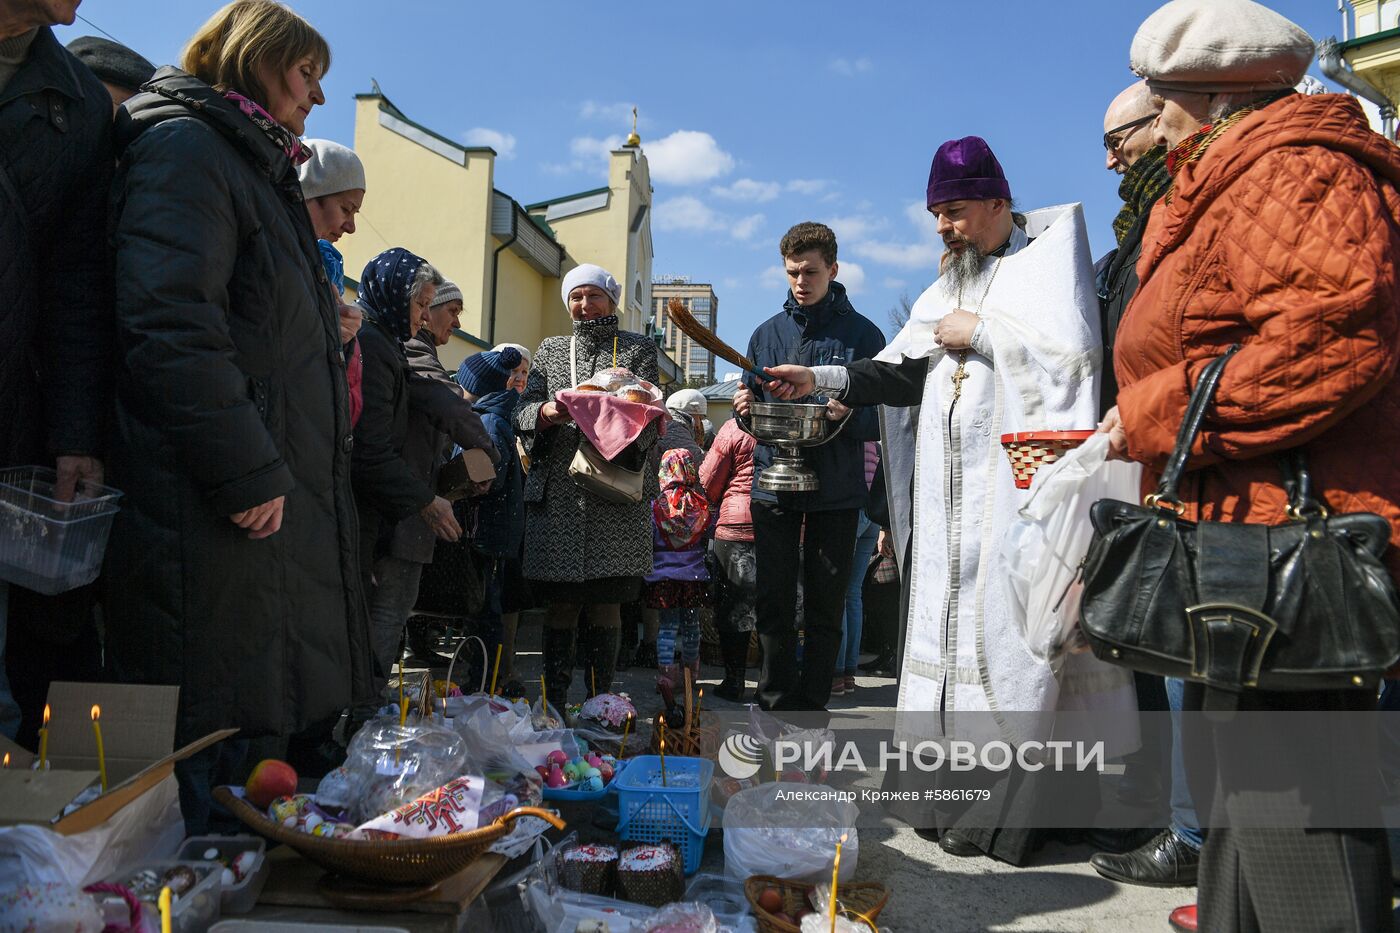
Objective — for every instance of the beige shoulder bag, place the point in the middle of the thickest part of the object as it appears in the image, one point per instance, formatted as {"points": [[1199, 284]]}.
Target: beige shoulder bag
{"points": [[592, 471]]}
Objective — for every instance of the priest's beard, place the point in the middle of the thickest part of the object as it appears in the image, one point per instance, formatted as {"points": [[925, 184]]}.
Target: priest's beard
{"points": [[961, 267]]}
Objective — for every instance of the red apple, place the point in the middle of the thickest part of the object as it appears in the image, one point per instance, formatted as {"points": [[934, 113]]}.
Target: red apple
{"points": [[771, 900], [270, 779]]}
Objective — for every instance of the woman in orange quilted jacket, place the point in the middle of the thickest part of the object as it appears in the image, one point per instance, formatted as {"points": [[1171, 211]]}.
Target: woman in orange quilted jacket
{"points": [[1280, 233]]}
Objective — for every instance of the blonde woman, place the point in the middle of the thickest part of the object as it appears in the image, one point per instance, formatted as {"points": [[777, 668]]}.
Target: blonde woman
{"points": [[234, 556]]}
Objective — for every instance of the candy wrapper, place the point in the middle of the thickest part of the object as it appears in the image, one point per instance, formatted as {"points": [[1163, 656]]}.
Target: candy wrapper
{"points": [[392, 765]]}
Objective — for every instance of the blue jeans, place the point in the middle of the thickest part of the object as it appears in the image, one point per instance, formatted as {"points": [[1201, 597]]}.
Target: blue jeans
{"points": [[1184, 821], [867, 536], [9, 709]]}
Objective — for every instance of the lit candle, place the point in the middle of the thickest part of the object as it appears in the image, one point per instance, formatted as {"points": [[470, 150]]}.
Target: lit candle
{"points": [[835, 870], [544, 699], [164, 910], [495, 669], [7, 759], [101, 755], [626, 726], [663, 762], [44, 741]]}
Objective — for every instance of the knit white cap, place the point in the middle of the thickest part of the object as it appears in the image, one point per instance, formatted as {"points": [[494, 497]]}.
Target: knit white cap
{"points": [[589, 274], [332, 168], [524, 353], [1220, 46]]}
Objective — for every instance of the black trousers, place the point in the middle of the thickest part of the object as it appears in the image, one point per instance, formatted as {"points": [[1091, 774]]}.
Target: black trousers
{"points": [[827, 546]]}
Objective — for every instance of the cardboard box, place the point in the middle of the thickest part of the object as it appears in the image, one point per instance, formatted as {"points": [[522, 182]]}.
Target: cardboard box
{"points": [[138, 736]]}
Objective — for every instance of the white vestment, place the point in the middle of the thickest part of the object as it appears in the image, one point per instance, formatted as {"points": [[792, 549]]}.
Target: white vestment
{"points": [[962, 651]]}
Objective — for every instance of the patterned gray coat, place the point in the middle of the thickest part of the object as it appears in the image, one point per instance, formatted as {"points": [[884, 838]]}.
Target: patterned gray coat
{"points": [[572, 535]]}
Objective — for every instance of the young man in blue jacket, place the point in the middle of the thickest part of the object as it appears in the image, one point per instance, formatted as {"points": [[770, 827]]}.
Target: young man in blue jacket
{"points": [[817, 326]]}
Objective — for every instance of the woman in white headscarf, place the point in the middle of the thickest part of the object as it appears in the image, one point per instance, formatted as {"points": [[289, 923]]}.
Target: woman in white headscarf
{"points": [[581, 550]]}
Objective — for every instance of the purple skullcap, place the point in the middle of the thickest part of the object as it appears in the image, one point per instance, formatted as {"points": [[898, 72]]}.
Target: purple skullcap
{"points": [[966, 170]]}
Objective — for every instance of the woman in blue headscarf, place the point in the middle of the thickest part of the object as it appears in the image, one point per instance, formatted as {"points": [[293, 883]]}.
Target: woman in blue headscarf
{"points": [[395, 292]]}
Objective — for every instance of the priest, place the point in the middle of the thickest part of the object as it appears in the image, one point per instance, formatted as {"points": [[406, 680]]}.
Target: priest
{"points": [[1006, 340]]}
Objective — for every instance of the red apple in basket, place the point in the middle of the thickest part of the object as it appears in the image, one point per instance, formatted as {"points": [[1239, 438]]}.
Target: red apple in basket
{"points": [[270, 779]]}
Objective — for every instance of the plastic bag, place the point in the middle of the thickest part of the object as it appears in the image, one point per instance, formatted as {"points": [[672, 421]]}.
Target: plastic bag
{"points": [[682, 918], [765, 834], [390, 765], [1043, 548]]}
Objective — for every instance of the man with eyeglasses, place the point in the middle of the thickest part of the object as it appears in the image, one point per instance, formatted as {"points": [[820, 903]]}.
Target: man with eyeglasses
{"points": [[1131, 153], [1171, 857]]}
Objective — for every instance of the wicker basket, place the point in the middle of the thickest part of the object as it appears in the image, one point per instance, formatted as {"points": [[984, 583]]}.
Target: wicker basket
{"points": [[864, 899], [1031, 450], [394, 861], [701, 742]]}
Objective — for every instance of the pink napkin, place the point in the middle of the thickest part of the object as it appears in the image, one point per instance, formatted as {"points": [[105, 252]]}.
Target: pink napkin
{"points": [[609, 423]]}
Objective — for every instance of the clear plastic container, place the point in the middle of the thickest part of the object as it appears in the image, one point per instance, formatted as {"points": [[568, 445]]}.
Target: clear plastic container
{"points": [[241, 896], [46, 545], [192, 912]]}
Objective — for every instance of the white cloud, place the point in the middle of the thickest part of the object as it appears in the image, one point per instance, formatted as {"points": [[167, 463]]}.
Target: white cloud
{"points": [[807, 185], [616, 112], [901, 255], [730, 281], [589, 149], [746, 189], [921, 254], [686, 213], [852, 276], [687, 157], [773, 277], [746, 227], [853, 228], [503, 143], [848, 68], [893, 283]]}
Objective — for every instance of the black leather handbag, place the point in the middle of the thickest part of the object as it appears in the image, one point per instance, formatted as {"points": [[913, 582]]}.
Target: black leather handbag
{"points": [[1304, 605]]}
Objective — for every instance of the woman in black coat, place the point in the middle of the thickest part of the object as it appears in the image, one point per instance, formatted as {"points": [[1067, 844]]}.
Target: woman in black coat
{"points": [[396, 290], [232, 564]]}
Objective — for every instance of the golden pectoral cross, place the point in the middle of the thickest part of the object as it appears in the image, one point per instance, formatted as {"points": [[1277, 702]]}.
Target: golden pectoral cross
{"points": [[960, 375]]}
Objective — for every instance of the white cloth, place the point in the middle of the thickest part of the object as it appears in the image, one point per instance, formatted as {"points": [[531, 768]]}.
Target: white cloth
{"points": [[962, 651]]}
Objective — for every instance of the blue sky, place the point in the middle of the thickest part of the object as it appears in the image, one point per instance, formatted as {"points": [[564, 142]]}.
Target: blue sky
{"points": [[754, 115]]}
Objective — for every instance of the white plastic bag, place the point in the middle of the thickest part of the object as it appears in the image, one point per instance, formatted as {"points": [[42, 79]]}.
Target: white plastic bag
{"points": [[789, 830], [1043, 548]]}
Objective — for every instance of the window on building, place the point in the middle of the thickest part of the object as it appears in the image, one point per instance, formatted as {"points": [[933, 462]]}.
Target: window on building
{"points": [[699, 304]]}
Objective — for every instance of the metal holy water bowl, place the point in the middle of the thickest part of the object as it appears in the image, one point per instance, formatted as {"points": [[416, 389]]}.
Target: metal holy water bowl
{"points": [[790, 426]]}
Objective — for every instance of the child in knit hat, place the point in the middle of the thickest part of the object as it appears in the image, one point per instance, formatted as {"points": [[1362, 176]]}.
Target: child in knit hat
{"points": [[500, 513]]}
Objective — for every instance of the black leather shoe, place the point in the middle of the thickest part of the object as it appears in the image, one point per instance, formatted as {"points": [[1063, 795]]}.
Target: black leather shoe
{"points": [[883, 662], [1165, 861], [956, 844]]}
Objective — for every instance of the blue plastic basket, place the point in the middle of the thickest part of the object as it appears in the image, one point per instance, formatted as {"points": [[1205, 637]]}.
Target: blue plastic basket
{"points": [[564, 793], [678, 815]]}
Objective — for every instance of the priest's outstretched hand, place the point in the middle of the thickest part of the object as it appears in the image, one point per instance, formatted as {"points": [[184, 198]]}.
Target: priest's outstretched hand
{"points": [[790, 381]]}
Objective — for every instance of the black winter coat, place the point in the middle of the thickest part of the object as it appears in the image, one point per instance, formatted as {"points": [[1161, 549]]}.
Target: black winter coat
{"points": [[1117, 281], [231, 392], [438, 416], [832, 332], [55, 265]]}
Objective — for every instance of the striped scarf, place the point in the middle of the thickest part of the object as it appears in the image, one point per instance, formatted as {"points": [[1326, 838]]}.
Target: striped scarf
{"points": [[1142, 184], [1193, 147]]}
